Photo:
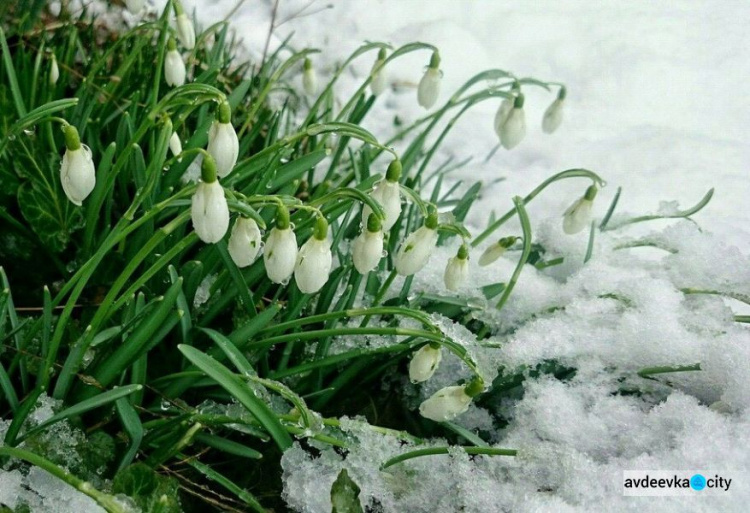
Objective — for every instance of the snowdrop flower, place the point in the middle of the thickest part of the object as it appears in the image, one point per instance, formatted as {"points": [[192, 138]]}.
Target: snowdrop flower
{"points": [[578, 215], [54, 71], [244, 242], [388, 193], [77, 172], [450, 402], [185, 29], [309, 80], [367, 249], [424, 362], [223, 144], [174, 67], [314, 260], [209, 208], [553, 116], [505, 107], [457, 270], [135, 6], [496, 250], [280, 253], [513, 129], [416, 250], [175, 145], [429, 87], [378, 77]]}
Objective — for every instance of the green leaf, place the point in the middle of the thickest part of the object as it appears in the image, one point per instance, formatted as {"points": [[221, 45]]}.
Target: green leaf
{"points": [[345, 494], [50, 214], [152, 492]]}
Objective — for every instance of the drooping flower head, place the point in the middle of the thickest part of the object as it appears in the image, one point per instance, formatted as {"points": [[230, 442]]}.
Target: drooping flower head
{"points": [[309, 79], [223, 144], [416, 250], [496, 250], [314, 260], [280, 253], [388, 193], [54, 70], [553, 116], [378, 76], [513, 129], [77, 172], [174, 67], [457, 270], [448, 403], [367, 248], [185, 28], [425, 362], [244, 241], [429, 87], [578, 215], [209, 209], [505, 107], [175, 145]]}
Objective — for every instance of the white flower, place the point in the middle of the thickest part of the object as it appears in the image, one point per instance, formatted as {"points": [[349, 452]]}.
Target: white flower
{"points": [[496, 250], [502, 114], [416, 250], [185, 31], [578, 215], [210, 212], [54, 71], [314, 263], [388, 194], [378, 77], [174, 68], [367, 249], [175, 145], [309, 80], [135, 6], [513, 129], [457, 270], [446, 404], [280, 253], [429, 88], [553, 116], [424, 363], [77, 172], [223, 146], [244, 242]]}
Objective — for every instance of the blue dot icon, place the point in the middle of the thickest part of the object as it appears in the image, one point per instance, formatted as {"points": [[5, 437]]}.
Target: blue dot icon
{"points": [[697, 482]]}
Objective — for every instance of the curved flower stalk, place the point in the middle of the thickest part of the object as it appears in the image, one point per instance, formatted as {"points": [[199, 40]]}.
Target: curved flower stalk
{"points": [[378, 76], [54, 70], [578, 215], [416, 250], [457, 270], [244, 241], [429, 87], [174, 67], [388, 193], [496, 250], [280, 253], [425, 362], [314, 260], [448, 403], [367, 248], [513, 129], [223, 144], [209, 209], [309, 79], [553, 116], [77, 171], [185, 28]]}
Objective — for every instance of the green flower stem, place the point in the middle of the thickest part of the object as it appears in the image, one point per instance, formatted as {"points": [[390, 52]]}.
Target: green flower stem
{"points": [[526, 228], [570, 173], [744, 298], [488, 451], [651, 371], [316, 334], [106, 501], [683, 214]]}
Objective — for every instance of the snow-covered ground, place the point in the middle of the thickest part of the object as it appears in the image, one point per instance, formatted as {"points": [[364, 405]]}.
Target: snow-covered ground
{"points": [[657, 104]]}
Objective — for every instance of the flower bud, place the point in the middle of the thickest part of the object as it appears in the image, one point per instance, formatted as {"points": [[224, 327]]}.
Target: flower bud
{"points": [[388, 193], [502, 114], [513, 130], [578, 215], [54, 71], [280, 253], [174, 67], [424, 363], [457, 270], [378, 76], [314, 260], [185, 31], [223, 144], [450, 402], [416, 250], [175, 145], [429, 87], [77, 172], [496, 250], [553, 116], [367, 249], [209, 209], [135, 6], [309, 80], [244, 241]]}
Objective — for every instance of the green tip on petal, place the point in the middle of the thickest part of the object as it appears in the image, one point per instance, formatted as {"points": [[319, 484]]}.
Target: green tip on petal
{"points": [[435, 60], [394, 171], [474, 387], [591, 193], [208, 169], [562, 93], [321, 228], [374, 224], [72, 140], [171, 44], [431, 221], [282, 218], [224, 114], [518, 102], [463, 252], [308, 64], [381, 54]]}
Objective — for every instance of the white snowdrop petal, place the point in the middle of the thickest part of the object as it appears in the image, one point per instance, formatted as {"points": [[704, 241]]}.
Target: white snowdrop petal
{"points": [[379, 80], [174, 69], [210, 212], [424, 363], [429, 88], [186, 31], [415, 251], [456, 273], [77, 174], [388, 194], [445, 404], [578, 216], [224, 147], [553, 116], [244, 242], [280, 254], [491, 254], [513, 130], [313, 265], [175, 145], [310, 81], [502, 114], [135, 6], [367, 250]]}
